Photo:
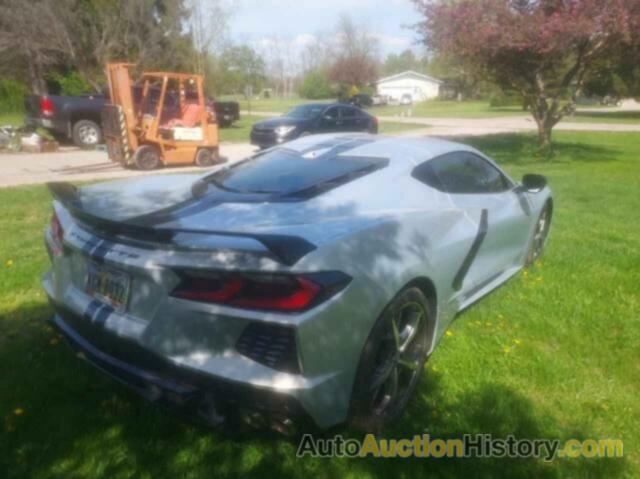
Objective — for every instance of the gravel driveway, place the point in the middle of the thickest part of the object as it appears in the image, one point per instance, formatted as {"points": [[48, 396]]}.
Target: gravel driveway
{"points": [[72, 164]]}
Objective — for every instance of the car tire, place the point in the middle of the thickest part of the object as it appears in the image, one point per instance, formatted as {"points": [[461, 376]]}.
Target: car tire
{"points": [[86, 134], [540, 234], [391, 362], [207, 157], [147, 157]]}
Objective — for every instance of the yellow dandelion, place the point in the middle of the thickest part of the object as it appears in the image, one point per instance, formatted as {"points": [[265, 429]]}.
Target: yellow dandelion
{"points": [[434, 369], [517, 341], [525, 273], [18, 411], [9, 263], [448, 333], [506, 350]]}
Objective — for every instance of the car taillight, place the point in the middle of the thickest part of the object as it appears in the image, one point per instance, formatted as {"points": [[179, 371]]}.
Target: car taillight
{"points": [[57, 235], [273, 292], [46, 106]]}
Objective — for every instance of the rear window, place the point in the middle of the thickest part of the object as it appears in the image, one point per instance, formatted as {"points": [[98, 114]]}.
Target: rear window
{"points": [[282, 172]]}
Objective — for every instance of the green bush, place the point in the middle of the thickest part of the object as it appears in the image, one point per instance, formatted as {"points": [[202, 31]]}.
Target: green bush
{"points": [[315, 86], [71, 83], [500, 99], [12, 95]]}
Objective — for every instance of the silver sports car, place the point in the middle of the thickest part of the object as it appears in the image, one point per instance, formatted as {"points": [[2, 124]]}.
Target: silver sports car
{"points": [[305, 284]]}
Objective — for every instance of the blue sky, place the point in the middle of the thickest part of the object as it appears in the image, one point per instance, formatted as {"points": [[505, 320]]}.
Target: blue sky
{"points": [[297, 21]]}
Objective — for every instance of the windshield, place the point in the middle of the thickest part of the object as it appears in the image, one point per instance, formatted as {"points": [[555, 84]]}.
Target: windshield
{"points": [[283, 171], [305, 111]]}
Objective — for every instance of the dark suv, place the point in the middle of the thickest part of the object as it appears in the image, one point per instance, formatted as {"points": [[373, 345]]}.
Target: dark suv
{"points": [[310, 119]]}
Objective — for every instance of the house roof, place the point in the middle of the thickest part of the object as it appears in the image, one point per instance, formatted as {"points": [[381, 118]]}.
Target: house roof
{"points": [[409, 73]]}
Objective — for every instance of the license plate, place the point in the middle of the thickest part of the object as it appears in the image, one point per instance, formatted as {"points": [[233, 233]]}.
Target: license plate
{"points": [[107, 285]]}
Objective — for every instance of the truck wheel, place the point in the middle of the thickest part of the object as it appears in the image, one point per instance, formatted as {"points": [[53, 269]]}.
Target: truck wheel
{"points": [[146, 157], [206, 157], [86, 134]]}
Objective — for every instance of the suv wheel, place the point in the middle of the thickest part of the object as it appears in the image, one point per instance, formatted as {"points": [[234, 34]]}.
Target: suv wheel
{"points": [[86, 134], [392, 361]]}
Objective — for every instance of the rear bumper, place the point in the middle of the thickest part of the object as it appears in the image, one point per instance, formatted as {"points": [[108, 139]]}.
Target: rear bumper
{"points": [[51, 124], [185, 391]]}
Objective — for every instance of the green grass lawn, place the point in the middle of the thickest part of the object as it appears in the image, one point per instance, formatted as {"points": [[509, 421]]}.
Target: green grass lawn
{"points": [[240, 130], [279, 105], [448, 109], [627, 117], [13, 119], [554, 353]]}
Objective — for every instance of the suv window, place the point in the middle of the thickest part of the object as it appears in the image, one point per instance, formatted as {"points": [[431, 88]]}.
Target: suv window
{"points": [[461, 172]]}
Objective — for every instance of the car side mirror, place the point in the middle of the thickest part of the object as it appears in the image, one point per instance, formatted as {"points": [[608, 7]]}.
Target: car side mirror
{"points": [[533, 183]]}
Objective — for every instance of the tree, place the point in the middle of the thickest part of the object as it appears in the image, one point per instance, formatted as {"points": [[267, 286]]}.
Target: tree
{"points": [[543, 49], [357, 50], [400, 62], [240, 67], [315, 86], [40, 37]]}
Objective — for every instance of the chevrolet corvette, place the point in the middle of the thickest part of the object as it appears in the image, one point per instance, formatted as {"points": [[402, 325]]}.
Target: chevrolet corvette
{"points": [[307, 284]]}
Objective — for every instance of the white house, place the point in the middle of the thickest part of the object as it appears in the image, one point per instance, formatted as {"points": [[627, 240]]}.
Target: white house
{"points": [[421, 87]]}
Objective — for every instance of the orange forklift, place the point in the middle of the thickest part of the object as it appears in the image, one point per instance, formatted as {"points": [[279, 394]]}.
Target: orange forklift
{"points": [[163, 119]]}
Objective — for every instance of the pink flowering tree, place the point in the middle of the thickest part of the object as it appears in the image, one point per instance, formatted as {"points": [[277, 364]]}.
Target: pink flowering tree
{"points": [[541, 48]]}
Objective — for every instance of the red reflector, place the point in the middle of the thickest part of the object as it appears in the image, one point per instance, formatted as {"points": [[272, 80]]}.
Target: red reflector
{"points": [[200, 289], [46, 106], [299, 299]]}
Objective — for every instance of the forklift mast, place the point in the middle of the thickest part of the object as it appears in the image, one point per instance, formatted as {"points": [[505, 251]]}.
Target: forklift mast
{"points": [[119, 118]]}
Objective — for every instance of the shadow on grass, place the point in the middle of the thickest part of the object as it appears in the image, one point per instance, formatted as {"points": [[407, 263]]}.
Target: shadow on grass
{"points": [[519, 148], [608, 115], [77, 423]]}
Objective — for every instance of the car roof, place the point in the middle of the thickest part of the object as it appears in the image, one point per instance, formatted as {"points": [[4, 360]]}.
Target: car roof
{"points": [[334, 103], [399, 150]]}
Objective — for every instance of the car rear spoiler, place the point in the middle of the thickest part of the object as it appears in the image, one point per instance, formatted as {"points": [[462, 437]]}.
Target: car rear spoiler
{"points": [[286, 249]]}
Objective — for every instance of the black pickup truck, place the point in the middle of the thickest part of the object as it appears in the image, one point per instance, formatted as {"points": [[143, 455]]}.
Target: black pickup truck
{"points": [[78, 117]]}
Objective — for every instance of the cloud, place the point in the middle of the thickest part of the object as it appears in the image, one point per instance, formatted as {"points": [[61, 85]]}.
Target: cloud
{"points": [[395, 41], [304, 39]]}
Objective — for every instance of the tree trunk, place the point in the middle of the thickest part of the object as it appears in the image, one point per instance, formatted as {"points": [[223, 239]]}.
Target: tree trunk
{"points": [[545, 117], [544, 137]]}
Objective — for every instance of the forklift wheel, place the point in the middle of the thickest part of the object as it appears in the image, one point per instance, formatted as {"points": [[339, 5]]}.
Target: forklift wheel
{"points": [[146, 157], [206, 157]]}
